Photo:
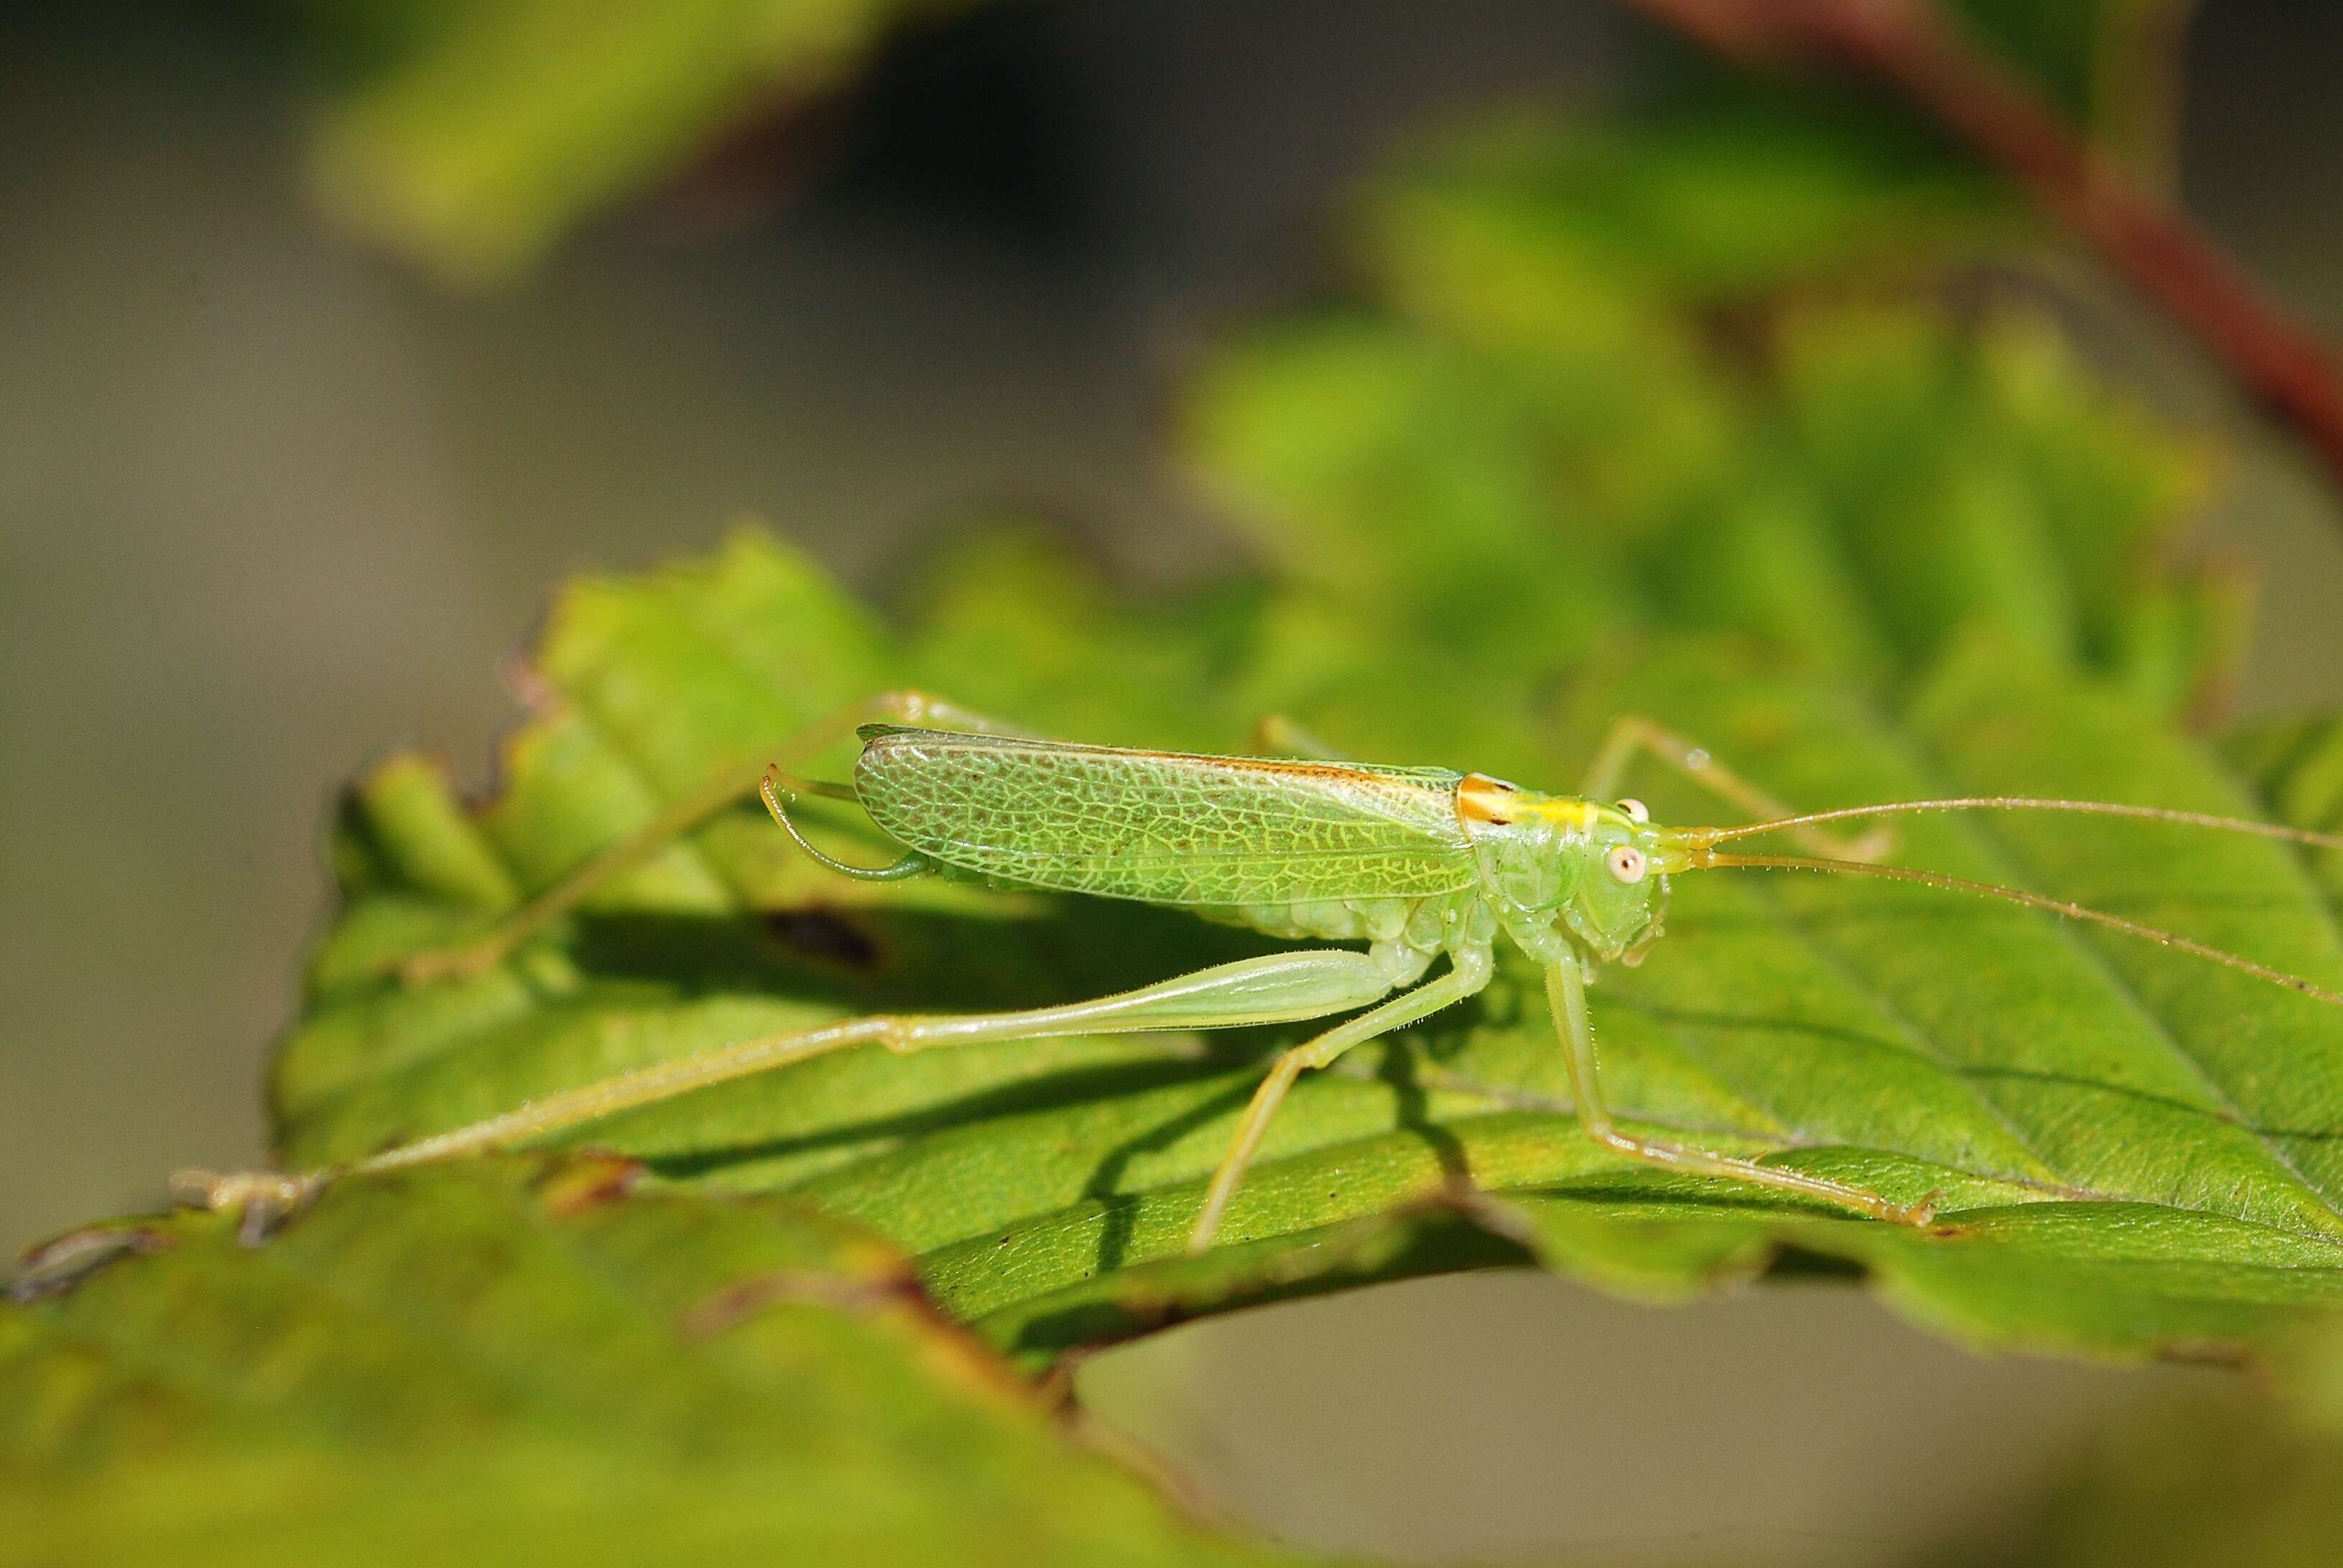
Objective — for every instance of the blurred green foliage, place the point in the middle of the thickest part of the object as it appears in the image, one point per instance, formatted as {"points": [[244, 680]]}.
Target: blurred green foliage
{"points": [[2111, 65], [1580, 406], [472, 135], [2243, 1476]]}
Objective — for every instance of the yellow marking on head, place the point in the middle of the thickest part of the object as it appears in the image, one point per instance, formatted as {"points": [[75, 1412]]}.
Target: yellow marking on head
{"points": [[1570, 813], [1482, 800]]}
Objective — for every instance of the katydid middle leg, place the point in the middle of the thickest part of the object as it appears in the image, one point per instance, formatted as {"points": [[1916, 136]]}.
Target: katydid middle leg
{"points": [[724, 790], [1468, 971]]}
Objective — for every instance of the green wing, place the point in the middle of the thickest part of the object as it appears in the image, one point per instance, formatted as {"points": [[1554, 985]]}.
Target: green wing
{"points": [[1162, 827]]}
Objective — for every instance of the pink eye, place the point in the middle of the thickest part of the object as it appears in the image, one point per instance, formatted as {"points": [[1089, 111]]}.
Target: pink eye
{"points": [[1635, 810], [1625, 863]]}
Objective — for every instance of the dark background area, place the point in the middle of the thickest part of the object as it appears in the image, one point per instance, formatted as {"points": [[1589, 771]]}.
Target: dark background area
{"points": [[270, 504]]}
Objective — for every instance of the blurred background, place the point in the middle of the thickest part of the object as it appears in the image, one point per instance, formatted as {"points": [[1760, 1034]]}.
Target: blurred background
{"points": [[290, 456]]}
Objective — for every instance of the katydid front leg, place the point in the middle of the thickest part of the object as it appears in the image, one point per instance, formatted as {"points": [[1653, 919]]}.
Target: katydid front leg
{"points": [[1567, 994]]}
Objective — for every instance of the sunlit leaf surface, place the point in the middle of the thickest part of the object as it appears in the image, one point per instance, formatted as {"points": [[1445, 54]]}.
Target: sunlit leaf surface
{"points": [[494, 1363]]}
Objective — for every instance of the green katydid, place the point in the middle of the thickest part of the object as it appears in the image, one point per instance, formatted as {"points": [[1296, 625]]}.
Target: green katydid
{"points": [[1419, 863]]}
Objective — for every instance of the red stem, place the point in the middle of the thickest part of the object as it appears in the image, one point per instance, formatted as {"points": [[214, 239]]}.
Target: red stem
{"points": [[1910, 45]]}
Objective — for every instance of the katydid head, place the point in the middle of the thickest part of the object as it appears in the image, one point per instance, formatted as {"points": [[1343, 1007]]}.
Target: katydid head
{"points": [[1621, 900], [1587, 872]]}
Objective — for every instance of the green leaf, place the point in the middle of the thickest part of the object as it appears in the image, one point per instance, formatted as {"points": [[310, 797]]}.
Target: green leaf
{"points": [[1539, 228], [476, 134], [2295, 767], [2137, 1151], [505, 1364]]}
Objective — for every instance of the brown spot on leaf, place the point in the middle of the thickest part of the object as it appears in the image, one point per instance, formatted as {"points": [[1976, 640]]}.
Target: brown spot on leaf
{"points": [[587, 1182], [879, 1284], [737, 1302]]}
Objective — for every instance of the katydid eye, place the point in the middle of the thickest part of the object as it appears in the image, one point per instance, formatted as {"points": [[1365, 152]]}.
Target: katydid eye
{"points": [[1625, 863], [1635, 810]]}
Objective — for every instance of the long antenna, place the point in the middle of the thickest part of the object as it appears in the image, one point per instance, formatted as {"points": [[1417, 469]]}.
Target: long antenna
{"points": [[1702, 858], [1702, 837]]}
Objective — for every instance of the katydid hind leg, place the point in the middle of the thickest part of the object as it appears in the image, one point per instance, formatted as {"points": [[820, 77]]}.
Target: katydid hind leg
{"points": [[726, 789], [1468, 972], [1630, 736], [1567, 994], [1277, 987]]}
